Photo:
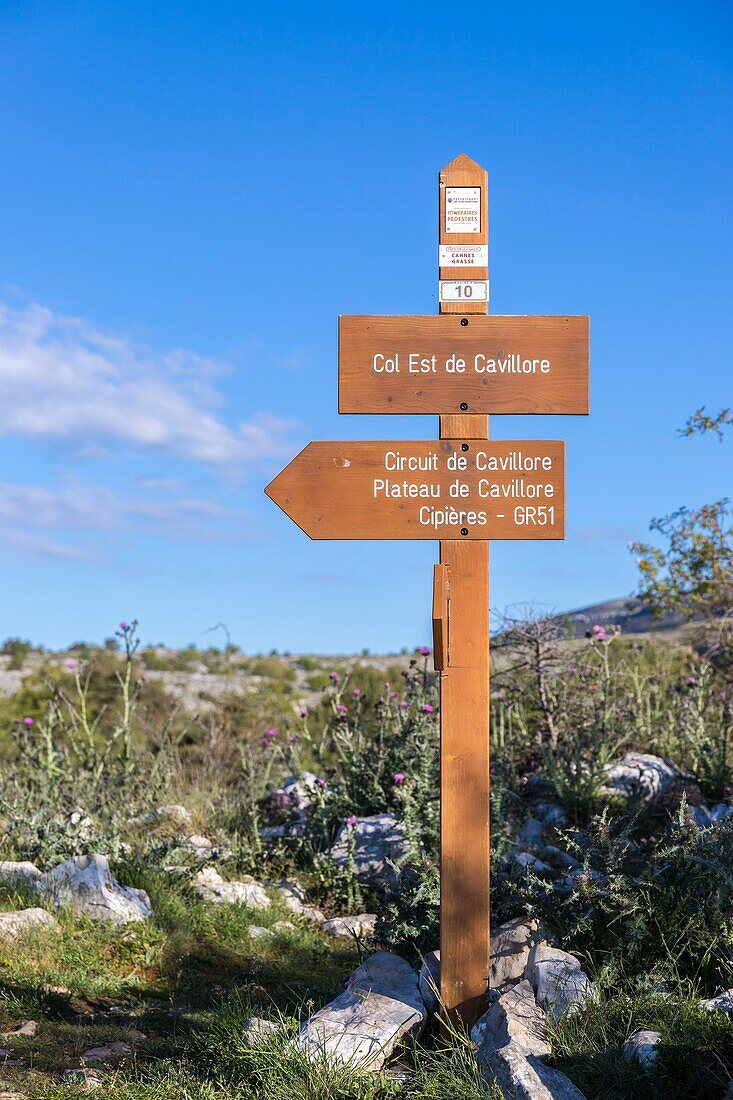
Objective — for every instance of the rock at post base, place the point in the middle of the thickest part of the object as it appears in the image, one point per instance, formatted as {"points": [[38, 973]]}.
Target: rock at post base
{"points": [[559, 984], [516, 1017], [362, 1027], [522, 1077], [430, 981], [511, 1041], [511, 944]]}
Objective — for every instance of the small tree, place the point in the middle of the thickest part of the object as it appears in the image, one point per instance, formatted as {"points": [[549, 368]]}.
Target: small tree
{"points": [[693, 574]]}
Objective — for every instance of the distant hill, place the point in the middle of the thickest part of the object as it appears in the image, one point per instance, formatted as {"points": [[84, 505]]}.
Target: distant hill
{"points": [[633, 616]]}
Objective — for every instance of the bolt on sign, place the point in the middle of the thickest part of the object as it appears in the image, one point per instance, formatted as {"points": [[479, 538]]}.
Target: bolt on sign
{"points": [[461, 490]]}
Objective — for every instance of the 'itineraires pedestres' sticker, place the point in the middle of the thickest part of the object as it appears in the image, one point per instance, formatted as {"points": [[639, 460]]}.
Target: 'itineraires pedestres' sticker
{"points": [[463, 209]]}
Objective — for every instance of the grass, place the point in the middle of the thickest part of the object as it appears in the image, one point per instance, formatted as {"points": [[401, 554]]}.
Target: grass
{"points": [[656, 902], [695, 1053], [178, 988]]}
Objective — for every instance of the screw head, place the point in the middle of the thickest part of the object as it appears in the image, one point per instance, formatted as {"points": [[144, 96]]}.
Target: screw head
{"points": [[464, 446], [464, 531], [464, 321], [463, 406]]}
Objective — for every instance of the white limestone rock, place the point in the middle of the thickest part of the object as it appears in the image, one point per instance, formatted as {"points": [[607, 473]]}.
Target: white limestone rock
{"points": [[291, 893], [559, 858], [88, 1080], [210, 886], [363, 1026], [511, 943], [86, 885], [256, 1030], [531, 834], [169, 814], [20, 875], [551, 815], [641, 1047], [526, 1077], [13, 926], [378, 842], [559, 983], [109, 1053], [429, 981], [27, 1030], [349, 928], [722, 1003], [515, 1018], [531, 863], [642, 775]]}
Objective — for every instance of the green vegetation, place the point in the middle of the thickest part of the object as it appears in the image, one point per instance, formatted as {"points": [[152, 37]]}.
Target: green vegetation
{"points": [[96, 737]]}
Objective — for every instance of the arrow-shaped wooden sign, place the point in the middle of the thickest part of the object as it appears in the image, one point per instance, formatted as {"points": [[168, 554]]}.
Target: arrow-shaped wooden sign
{"points": [[448, 489], [469, 364]]}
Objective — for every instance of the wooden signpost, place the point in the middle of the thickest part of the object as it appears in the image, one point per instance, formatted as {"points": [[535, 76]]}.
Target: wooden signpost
{"points": [[462, 490]]}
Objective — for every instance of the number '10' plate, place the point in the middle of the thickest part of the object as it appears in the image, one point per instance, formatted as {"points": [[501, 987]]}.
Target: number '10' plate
{"points": [[464, 290]]}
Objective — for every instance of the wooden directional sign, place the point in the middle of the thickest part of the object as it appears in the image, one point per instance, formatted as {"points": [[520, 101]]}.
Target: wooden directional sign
{"points": [[473, 364], [460, 489], [449, 489]]}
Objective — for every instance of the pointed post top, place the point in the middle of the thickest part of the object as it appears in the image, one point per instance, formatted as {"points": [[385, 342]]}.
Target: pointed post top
{"points": [[462, 163]]}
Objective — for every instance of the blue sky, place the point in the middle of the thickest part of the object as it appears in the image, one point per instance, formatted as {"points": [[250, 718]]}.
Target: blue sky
{"points": [[191, 193]]}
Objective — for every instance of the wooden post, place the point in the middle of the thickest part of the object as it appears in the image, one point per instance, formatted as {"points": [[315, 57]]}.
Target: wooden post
{"points": [[464, 681]]}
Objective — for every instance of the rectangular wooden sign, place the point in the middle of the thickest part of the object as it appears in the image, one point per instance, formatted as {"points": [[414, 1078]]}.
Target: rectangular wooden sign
{"points": [[448, 489], [489, 364]]}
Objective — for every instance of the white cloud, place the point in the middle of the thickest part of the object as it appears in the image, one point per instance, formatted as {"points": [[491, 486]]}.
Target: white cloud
{"points": [[62, 379], [57, 522]]}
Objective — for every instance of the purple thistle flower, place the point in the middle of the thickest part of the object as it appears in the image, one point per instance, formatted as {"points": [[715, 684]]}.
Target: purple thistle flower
{"points": [[425, 650], [351, 821], [27, 721], [404, 704], [356, 693], [427, 708], [691, 681], [71, 665], [341, 709], [398, 778], [333, 676], [303, 712]]}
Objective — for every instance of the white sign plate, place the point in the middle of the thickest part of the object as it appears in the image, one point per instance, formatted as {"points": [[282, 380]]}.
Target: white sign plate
{"points": [[463, 209], [464, 290], [463, 255]]}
